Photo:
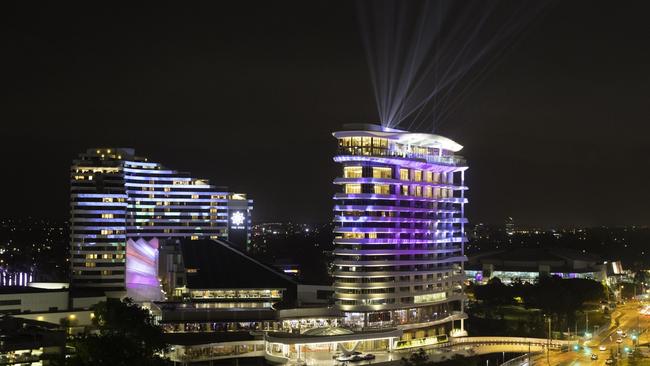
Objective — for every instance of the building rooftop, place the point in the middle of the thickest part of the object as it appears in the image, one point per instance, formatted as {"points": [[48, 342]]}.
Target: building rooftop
{"points": [[403, 137], [216, 264]]}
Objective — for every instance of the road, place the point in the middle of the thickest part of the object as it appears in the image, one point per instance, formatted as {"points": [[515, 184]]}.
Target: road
{"points": [[629, 321]]}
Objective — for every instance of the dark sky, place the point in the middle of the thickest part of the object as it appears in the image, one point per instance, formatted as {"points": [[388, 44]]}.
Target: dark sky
{"points": [[246, 94]]}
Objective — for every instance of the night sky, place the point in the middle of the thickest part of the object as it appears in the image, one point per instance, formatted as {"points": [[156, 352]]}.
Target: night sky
{"points": [[247, 95]]}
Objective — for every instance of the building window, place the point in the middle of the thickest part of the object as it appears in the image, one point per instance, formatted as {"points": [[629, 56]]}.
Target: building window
{"points": [[427, 192], [352, 172], [353, 188], [404, 174], [417, 175], [382, 172], [107, 216], [10, 302], [405, 190], [382, 189], [428, 176], [379, 142], [352, 235]]}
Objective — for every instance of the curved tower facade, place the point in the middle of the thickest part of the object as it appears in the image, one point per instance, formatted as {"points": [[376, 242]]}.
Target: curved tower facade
{"points": [[399, 230], [120, 203]]}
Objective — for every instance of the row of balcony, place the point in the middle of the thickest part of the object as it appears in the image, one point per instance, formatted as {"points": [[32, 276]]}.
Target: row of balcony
{"points": [[454, 160]]}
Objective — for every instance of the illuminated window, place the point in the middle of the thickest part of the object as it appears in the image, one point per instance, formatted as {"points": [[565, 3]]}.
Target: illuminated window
{"points": [[436, 177], [167, 189], [356, 141], [353, 188], [418, 191], [417, 175], [428, 176], [91, 256], [366, 141], [427, 192], [353, 235], [405, 190], [107, 216], [90, 264], [372, 235], [382, 189], [379, 142], [382, 172], [404, 174], [194, 237], [352, 172], [195, 196], [106, 232]]}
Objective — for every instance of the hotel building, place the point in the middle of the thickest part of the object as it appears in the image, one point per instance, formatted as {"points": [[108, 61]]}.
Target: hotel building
{"points": [[123, 207], [399, 231]]}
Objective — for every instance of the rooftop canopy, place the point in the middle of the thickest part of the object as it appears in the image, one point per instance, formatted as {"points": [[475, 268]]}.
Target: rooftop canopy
{"points": [[402, 137]]}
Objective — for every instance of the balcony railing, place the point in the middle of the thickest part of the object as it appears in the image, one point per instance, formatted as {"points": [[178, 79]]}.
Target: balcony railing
{"points": [[373, 151]]}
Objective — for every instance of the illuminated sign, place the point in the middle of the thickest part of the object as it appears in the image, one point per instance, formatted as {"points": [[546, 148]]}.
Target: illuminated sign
{"points": [[237, 219]]}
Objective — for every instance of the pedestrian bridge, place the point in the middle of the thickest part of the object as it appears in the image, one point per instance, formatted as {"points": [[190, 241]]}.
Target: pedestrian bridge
{"points": [[540, 342]]}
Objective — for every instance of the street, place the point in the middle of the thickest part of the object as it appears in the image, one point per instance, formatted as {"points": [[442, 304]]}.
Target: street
{"points": [[630, 322]]}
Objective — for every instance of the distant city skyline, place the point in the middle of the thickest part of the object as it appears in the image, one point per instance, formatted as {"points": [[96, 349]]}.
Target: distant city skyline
{"points": [[548, 134]]}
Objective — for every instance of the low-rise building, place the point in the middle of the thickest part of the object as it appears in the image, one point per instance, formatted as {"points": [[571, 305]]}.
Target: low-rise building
{"points": [[528, 264]]}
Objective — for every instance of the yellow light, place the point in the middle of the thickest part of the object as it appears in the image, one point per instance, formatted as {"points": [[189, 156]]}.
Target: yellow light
{"points": [[92, 315], [40, 318], [72, 317]]}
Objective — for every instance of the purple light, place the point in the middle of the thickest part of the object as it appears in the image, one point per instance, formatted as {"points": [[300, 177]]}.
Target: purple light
{"points": [[142, 270]]}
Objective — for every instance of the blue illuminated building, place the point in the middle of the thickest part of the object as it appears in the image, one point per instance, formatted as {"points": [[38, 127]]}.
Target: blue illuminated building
{"points": [[123, 207]]}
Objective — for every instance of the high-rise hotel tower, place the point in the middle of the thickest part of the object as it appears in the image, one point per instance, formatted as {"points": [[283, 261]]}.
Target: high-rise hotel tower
{"points": [[123, 207], [399, 230]]}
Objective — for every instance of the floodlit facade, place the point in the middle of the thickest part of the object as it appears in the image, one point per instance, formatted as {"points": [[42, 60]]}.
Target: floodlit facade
{"points": [[399, 230], [122, 205]]}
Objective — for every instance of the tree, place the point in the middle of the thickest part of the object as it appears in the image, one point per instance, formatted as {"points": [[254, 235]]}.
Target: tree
{"points": [[126, 335]]}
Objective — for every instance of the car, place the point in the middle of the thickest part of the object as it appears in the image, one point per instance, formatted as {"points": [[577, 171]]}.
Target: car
{"points": [[619, 340], [619, 331], [594, 356], [357, 358], [602, 347], [369, 356], [609, 361], [344, 358], [623, 335]]}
